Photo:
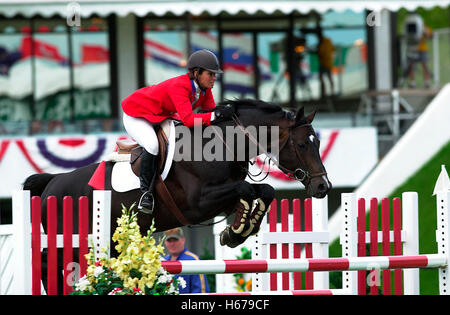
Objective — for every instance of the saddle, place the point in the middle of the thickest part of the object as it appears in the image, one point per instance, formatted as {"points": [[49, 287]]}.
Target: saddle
{"points": [[131, 147], [126, 146]]}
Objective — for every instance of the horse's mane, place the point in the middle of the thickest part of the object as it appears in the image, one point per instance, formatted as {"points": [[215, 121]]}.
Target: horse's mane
{"points": [[253, 104]]}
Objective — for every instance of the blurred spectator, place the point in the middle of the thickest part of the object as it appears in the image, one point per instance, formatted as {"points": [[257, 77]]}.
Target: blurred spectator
{"points": [[417, 34], [325, 52], [174, 241]]}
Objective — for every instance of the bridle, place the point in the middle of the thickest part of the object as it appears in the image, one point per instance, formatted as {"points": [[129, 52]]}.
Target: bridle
{"points": [[297, 174]]}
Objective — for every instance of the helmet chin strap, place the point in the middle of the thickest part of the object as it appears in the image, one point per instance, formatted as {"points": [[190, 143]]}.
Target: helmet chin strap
{"points": [[198, 83]]}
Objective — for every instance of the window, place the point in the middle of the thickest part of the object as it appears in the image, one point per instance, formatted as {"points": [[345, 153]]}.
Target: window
{"points": [[15, 71], [50, 72], [347, 53], [273, 73], [165, 49]]}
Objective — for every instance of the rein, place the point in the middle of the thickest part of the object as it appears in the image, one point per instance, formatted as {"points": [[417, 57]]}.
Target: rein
{"points": [[299, 173]]}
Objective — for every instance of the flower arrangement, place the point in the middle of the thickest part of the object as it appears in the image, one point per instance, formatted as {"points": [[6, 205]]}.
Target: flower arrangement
{"points": [[137, 269], [243, 285]]}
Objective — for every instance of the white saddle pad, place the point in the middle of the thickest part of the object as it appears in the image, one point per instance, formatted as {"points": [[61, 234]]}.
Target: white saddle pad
{"points": [[123, 178]]}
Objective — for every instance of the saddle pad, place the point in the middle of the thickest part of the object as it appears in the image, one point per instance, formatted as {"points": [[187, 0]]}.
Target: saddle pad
{"points": [[122, 176]]}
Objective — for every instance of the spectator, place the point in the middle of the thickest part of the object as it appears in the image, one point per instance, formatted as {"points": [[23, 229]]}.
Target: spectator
{"points": [[325, 52], [419, 54], [174, 241]]}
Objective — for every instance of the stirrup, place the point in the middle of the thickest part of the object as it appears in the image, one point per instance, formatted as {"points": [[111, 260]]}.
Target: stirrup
{"points": [[143, 209]]}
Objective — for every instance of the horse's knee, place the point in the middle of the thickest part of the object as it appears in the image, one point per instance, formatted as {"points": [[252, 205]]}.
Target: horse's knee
{"points": [[245, 190], [265, 192]]}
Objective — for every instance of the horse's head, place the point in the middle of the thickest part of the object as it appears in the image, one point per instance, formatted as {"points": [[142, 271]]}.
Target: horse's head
{"points": [[299, 154], [298, 143]]}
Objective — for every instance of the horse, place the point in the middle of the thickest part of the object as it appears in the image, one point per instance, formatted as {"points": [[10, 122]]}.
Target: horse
{"points": [[203, 189]]}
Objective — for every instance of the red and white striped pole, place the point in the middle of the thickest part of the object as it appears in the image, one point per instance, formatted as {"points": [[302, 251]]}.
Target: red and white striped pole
{"points": [[304, 264]]}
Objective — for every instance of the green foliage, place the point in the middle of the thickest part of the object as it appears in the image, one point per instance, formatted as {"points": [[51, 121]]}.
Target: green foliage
{"points": [[434, 18]]}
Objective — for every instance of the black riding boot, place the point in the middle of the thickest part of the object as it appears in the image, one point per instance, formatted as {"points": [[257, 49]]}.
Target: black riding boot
{"points": [[147, 175]]}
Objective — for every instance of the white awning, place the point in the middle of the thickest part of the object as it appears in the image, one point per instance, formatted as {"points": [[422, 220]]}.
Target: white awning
{"points": [[46, 8]]}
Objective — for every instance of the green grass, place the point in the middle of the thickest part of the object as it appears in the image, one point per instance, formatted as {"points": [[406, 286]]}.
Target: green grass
{"points": [[422, 182]]}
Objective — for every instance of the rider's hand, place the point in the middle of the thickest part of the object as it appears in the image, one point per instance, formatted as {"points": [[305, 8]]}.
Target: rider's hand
{"points": [[223, 112]]}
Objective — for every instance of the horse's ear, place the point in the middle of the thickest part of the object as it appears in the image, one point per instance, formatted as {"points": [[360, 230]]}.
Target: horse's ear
{"points": [[310, 117], [300, 114]]}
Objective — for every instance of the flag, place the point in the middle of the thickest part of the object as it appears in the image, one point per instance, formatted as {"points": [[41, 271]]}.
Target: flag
{"points": [[41, 49], [94, 53], [162, 53]]}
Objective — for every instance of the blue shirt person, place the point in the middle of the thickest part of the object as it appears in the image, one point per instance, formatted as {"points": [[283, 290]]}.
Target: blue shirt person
{"points": [[174, 241]]}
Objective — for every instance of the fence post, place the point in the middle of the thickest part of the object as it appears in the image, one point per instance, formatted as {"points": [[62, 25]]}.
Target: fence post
{"points": [[349, 240], [22, 242], [219, 250], [442, 238], [320, 250], [101, 230], [260, 281], [410, 218]]}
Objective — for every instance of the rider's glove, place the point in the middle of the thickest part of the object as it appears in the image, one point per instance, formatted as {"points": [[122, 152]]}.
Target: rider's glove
{"points": [[223, 112]]}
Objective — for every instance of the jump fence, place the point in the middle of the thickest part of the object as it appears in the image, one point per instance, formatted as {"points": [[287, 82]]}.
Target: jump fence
{"points": [[29, 240], [360, 248], [303, 240]]}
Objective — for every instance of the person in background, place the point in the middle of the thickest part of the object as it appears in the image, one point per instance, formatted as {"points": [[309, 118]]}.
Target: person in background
{"points": [[421, 56], [325, 51], [174, 241]]}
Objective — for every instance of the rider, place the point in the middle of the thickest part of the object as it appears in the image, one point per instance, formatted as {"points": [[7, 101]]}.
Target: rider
{"points": [[174, 98]]}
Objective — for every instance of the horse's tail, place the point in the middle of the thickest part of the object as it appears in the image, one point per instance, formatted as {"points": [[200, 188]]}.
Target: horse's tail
{"points": [[36, 183]]}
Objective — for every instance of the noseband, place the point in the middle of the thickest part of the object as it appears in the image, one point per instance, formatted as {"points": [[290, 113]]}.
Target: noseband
{"points": [[299, 173]]}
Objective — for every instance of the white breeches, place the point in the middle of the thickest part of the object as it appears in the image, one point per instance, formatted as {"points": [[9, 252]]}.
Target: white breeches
{"points": [[141, 130]]}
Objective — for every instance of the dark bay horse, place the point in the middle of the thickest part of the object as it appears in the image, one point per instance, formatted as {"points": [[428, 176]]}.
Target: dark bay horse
{"points": [[203, 189]]}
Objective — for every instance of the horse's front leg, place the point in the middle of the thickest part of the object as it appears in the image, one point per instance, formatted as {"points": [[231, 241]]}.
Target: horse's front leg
{"points": [[266, 194], [236, 197], [234, 234], [250, 212]]}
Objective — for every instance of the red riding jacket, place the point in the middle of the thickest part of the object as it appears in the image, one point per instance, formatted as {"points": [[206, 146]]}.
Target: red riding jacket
{"points": [[172, 98]]}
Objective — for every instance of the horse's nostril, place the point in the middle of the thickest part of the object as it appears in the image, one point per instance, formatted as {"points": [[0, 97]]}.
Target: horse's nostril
{"points": [[322, 188]]}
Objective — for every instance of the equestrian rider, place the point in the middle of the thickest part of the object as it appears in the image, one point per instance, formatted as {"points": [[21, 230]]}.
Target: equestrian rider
{"points": [[174, 98]]}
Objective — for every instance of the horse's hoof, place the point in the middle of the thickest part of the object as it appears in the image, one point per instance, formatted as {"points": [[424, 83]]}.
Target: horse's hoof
{"points": [[231, 239], [225, 236]]}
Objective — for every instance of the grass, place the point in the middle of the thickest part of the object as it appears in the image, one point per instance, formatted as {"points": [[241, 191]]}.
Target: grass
{"points": [[422, 182]]}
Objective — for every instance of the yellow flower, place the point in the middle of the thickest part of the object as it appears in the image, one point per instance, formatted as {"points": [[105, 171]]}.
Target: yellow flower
{"points": [[138, 261]]}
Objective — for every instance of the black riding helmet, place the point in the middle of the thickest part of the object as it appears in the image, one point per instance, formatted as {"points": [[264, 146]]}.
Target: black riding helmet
{"points": [[204, 59]]}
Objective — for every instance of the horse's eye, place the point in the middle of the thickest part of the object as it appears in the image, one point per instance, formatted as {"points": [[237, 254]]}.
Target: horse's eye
{"points": [[301, 146]]}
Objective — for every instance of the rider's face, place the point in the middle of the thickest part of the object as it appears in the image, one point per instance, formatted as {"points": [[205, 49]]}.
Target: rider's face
{"points": [[207, 79]]}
